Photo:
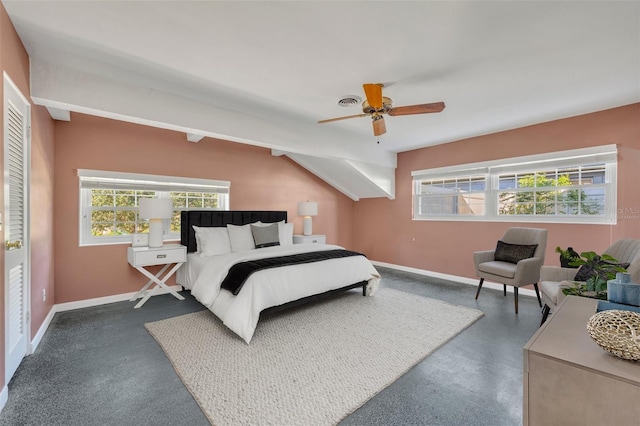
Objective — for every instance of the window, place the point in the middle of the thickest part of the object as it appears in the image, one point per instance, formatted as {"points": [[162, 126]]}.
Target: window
{"points": [[577, 186], [460, 196], [109, 203]]}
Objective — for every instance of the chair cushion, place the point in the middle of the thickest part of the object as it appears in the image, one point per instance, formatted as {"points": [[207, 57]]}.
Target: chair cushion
{"points": [[513, 253], [499, 268]]}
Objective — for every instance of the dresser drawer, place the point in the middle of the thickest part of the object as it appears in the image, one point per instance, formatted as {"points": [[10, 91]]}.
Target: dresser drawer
{"points": [[144, 256], [309, 239]]}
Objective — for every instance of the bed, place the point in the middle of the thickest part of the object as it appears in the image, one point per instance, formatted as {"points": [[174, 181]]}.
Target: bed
{"points": [[283, 274]]}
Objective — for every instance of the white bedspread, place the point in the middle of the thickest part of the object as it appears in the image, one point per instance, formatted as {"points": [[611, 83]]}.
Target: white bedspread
{"points": [[188, 273], [274, 286]]}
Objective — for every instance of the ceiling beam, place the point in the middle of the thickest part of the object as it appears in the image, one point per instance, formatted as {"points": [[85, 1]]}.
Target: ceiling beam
{"points": [[355, 180], [192, 137], [59, 114]]}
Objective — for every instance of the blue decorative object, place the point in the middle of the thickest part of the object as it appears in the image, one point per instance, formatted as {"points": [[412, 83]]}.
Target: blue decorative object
{"points": [[603, 305], [622, 290]]}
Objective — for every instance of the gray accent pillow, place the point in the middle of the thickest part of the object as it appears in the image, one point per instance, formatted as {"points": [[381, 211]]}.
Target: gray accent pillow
{"points": [[265, 236], [513, 253]]}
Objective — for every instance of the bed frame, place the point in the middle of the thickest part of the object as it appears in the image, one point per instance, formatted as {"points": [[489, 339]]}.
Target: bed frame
{"points": [[208, 218]]}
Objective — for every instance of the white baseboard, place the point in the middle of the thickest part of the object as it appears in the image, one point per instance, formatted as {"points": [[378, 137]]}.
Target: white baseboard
{"points": [[464, 280], [43, 328], [88, 303], [4, 397]]}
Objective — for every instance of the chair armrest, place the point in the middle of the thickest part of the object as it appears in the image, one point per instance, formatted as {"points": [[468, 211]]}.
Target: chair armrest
{"points": [[482, 256], [527, 271], [557, 273]]}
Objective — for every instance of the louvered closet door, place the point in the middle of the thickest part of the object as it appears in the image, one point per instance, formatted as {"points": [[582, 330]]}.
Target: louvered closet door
{"points": [[16, 274]]}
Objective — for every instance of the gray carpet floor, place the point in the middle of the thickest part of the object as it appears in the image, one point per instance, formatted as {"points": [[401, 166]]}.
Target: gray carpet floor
{"points": [[99, 366]]}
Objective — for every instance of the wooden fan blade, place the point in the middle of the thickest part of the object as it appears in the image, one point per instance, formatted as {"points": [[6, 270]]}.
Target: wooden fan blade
{"points": [[379, 128], [417, 109], [341, 118], [374, 95]]}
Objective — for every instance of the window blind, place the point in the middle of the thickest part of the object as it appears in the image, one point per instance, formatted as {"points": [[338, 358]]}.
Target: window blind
{"points": [[98, 179], [575, 157]]}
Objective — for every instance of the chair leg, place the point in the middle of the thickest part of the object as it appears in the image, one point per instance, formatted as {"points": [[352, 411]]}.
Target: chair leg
{"points": [[504, 289], [479, 287], [515, 296], [535, 285], [545, 313]]}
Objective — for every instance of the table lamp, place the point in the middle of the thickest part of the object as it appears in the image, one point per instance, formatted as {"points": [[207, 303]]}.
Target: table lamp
{"points": [[156, 209], [307, 209]]}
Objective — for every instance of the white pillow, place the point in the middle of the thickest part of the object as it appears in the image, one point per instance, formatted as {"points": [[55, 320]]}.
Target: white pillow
{"points": [[260, 223], [212, 241], [285, 233], [241, 238]]}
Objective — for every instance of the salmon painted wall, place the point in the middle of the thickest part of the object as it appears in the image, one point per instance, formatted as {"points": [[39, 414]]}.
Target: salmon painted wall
{"points": [[15, 62], [385, 231], [259, 181], [42, 226]]}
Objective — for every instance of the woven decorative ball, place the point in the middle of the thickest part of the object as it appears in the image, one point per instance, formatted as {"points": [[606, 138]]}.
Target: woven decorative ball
{"points": [[617, 332]]}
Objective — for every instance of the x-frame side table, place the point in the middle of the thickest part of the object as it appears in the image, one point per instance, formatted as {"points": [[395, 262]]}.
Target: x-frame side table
{"points": [[167, 255]]}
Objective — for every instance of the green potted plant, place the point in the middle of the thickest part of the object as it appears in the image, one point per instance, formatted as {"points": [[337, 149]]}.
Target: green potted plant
{"points": [[567, 256], [595, 271]]}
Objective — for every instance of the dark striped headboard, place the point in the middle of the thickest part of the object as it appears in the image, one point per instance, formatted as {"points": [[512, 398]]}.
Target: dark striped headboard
{"points": [[221, 218]]}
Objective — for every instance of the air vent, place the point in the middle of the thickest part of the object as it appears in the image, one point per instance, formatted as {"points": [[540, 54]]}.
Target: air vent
{"points": [[349, 100]]}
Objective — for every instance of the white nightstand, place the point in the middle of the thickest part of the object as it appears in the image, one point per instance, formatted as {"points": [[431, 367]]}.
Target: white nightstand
{"points": [[168, 254], [309, 239]]}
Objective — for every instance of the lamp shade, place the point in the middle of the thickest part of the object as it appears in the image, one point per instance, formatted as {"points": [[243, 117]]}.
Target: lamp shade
{"points": [[156, 208], [307, 208]]}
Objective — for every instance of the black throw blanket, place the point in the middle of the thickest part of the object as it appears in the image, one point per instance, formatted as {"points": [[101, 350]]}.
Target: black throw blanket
{"points": [[239, 272]]}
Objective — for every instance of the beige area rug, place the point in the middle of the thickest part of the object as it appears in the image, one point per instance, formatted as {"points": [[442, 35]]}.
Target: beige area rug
{"points": [[312, 365]]}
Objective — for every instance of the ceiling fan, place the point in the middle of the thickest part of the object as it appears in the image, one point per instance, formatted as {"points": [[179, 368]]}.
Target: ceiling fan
{"points": [[377, 105]]}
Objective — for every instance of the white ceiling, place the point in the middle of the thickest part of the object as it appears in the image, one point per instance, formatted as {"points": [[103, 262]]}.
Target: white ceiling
{"points": [[264, 72]]}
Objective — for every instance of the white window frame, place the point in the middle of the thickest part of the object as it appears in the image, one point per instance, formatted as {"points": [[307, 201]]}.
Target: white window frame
{"points": [[161, 185], [606, 154]]}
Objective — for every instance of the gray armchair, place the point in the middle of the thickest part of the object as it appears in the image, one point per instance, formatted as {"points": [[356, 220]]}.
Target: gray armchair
{"points": [[554, 278], [516, 273]]}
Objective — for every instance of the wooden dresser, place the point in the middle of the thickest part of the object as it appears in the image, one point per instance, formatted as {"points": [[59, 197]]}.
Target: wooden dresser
{"points": [[570, 380]]}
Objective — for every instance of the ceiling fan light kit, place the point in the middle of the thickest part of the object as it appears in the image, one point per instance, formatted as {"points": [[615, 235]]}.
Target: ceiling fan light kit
{"points": [[379, 128], [376, 105], [386, 106]]}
